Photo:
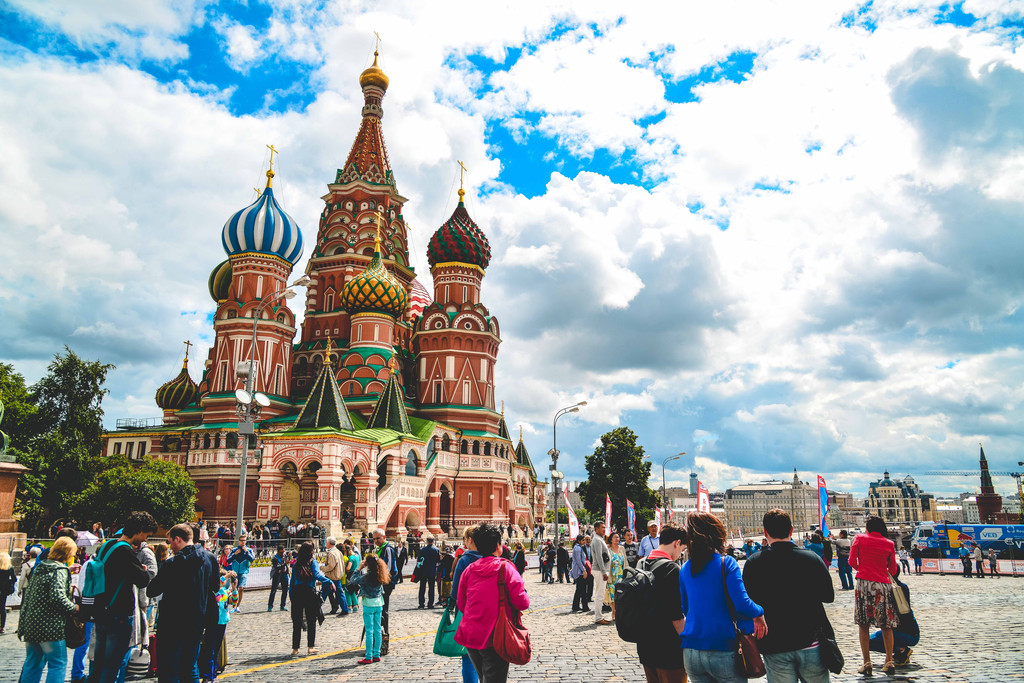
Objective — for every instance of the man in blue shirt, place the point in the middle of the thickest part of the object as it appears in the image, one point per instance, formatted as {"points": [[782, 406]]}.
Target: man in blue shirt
{"points": [[240, 559], [651, 541]]}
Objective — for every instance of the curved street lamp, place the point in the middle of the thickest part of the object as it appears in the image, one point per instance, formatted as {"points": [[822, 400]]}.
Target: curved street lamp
{"points": [[557, 476], [664, 491], [250, 409]]}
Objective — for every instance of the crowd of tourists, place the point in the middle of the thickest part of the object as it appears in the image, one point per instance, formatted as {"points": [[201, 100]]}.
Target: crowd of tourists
{"points": [[174, 599]]}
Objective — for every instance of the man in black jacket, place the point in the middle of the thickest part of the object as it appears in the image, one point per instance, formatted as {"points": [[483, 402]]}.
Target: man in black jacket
{"points": [[426, 571], [790, 584], [186, 584], [121, 571]]}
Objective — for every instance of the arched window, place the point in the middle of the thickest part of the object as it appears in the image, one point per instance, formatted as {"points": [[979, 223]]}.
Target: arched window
{"points": [[232, 440], [410, 464], [446, 443], [465, 446], [487, 448], [476, 448], [206, 441]]}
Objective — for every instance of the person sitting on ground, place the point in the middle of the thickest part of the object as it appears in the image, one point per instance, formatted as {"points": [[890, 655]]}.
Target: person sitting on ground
{"points": [[478, 600], [906, 634]]}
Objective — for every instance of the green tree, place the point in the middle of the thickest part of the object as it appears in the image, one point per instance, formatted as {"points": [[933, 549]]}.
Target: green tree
{"points": [[63, 450], [563, 516], [159, 487], [617, 468], [19, 411]]}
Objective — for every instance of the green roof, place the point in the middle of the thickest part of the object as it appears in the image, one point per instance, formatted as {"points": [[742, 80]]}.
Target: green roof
{"points": [[325, 406], [523, 458], [390, 413], [502, 427]]}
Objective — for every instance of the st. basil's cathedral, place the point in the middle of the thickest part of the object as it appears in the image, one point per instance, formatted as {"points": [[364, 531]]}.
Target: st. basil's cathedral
{"points": [[385, 403]]}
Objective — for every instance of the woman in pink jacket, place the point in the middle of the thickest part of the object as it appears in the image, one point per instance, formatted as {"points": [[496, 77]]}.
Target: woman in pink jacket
{"points": [[873, 555], [477, 599]]}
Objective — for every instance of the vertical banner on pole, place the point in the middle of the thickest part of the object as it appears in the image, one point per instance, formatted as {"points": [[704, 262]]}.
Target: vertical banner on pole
{"points": [[631, 517], [574, 524], [823, 506], [607, 514], [703, 501], [670, 512], [657, 518]]}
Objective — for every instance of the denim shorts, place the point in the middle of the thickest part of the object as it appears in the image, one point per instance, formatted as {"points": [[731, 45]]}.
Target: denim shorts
{"points": [[243, 578]]}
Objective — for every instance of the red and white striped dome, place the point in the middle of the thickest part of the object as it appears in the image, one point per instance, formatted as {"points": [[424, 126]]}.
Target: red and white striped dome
{"points": [[419, 298]]}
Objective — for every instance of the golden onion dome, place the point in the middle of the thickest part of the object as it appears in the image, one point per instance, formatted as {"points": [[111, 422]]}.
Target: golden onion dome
{"points": [[375, 289], [179, 392], [374, 75]]}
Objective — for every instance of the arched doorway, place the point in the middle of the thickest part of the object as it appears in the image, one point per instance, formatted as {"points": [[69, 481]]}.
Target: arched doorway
{"points": [[347, 495], [309, 489], [412, 520], [445, 508], [290, 495]]}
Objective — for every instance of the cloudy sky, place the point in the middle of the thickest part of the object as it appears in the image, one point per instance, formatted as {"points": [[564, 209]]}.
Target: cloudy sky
{"points": [[769, 235]]}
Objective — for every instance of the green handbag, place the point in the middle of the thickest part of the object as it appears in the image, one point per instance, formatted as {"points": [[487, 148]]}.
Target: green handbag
{"points": [[444, 641]]}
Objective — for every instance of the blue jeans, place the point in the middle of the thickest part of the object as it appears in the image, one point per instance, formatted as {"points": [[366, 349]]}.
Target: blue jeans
{"points": [[209, 653], [845, 573], [53, 654], [371, 620], [797, 665], [113, 636], [469, 671], [899, 641], [78, 660], [711, 666], [177, 657]]}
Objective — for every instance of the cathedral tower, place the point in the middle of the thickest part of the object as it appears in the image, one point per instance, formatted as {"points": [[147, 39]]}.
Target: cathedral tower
{"points": [[457, 338], [263, 243]]}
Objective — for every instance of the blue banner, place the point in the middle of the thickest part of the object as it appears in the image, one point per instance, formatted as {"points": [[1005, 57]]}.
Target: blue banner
{"points": [[823, 506]]}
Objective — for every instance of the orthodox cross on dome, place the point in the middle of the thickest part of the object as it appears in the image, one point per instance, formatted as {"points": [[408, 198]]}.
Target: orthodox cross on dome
{"points": [[462, 173], [258, 192], [503, 409], [520, 433], [376, 47], [188, 346], [270, 171], [379, 216]]}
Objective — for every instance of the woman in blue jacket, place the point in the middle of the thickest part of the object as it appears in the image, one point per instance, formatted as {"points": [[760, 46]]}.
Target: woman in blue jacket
{"points": [[708, 635], [305, 600]]}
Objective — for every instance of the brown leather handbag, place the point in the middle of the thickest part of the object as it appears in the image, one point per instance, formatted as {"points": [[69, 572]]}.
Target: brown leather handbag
{"points": [[749, 663], [511, 640]]}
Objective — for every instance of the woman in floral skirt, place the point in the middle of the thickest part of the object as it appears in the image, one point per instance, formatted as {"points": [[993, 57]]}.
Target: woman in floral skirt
{"points": [[873, 555], [618, 563]]}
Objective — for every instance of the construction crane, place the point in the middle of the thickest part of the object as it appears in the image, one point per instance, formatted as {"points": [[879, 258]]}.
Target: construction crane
{"points": [[1015, 475]]}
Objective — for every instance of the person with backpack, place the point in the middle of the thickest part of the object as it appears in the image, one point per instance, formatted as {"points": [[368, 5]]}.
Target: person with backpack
{"points": [[109, 585], [278, 577], [305, 601], [792, 586], [478, 600], [185, 583], [44, 614], [213, 637], [371, 581], [649, 609], [387, 553]]}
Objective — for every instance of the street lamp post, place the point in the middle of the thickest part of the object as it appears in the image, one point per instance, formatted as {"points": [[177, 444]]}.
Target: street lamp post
{"points": [[664, 490], [556, 476], [246, 409]]}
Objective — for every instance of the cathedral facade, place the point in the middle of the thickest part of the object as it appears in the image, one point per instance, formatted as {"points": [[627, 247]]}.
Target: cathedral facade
{"points": [[382, 402]]}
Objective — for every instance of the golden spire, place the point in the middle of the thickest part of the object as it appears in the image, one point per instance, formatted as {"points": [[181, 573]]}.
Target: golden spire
{"points": [[503, 409], [462, 172], [393, 364], [376, 245], [329, 356], [270, 171], [188, 344], [520, 433]]}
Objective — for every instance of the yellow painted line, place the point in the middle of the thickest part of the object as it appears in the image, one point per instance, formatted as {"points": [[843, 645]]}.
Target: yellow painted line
{"points": [[324, 655]]}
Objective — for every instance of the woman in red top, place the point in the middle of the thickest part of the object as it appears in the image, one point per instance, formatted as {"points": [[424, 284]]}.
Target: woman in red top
{"points": [[873, 555]]}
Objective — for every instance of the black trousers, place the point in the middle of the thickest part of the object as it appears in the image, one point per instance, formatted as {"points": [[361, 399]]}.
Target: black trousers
{"points": [[388, 590], [490, 668], [581, 597], [275, 582], [424, 583], [305, 607]]}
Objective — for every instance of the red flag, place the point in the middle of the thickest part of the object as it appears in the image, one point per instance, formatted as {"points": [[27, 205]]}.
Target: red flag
{"points": [[703, 501]]}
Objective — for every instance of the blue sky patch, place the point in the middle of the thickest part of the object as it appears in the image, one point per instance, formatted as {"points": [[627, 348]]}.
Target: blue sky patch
{"points": [[735, 68], [955, 14]]}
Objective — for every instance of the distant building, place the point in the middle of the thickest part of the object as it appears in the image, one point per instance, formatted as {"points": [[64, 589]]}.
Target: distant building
{"points": [[900, 501], [745, 505], [693, 483], [949, 513]]}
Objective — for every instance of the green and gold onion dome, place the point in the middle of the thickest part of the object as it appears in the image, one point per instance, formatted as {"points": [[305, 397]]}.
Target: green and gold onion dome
{"points": [[375, 290], [220, 281], [459, 240], [179, 392]]}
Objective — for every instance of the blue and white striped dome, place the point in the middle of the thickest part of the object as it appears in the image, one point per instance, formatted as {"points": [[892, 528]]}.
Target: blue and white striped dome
{"points": [[263, 227]]}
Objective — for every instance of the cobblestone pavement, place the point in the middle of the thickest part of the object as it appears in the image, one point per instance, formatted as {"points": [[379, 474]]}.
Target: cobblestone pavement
{"points": [[971, 631]]}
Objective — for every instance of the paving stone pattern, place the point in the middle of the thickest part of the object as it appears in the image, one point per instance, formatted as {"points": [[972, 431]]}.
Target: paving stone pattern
{"points": [[972, 630]]}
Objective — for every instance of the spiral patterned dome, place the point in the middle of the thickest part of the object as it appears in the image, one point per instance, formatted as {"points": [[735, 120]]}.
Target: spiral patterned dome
{"points": [[459, 239], [375, 290], [220, 281], [179, 392], [265, 228]]}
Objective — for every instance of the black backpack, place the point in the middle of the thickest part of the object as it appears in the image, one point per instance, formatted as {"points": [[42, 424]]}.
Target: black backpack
{"points": [[636, 604]]}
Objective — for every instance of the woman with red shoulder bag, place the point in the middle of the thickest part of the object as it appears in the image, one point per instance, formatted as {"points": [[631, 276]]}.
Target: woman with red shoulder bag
{"points": [[485, 588]]}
